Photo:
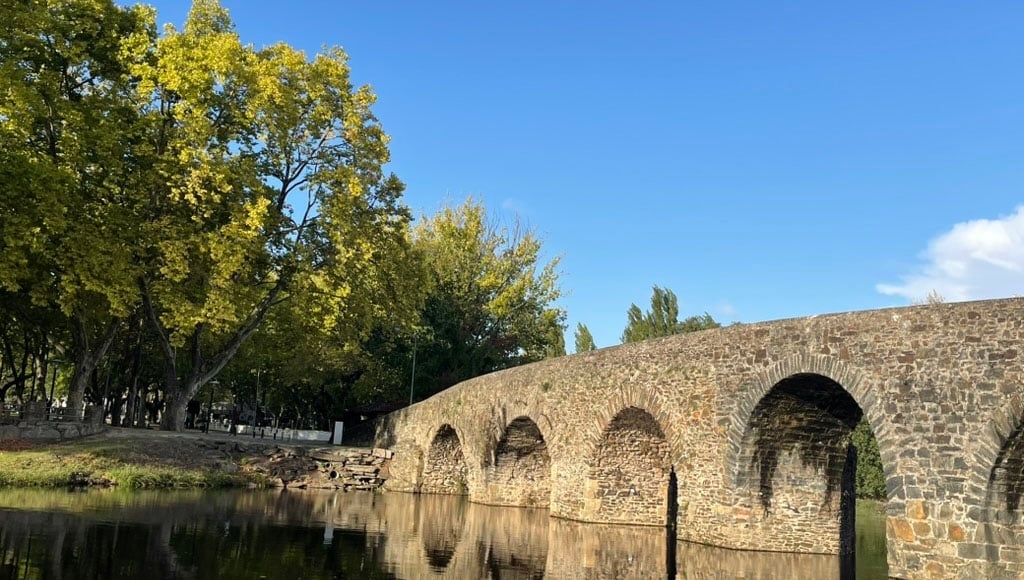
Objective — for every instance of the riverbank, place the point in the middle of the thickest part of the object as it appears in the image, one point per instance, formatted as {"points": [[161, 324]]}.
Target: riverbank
{"points": [[104, 460], [146, 459]]}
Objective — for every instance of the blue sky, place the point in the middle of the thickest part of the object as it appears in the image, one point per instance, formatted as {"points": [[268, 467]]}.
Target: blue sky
{"points": [[761, 159]]}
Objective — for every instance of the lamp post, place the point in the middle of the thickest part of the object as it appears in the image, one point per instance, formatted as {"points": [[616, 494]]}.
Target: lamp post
{"points": [[209, 418], [256, 404], [412, 380]]}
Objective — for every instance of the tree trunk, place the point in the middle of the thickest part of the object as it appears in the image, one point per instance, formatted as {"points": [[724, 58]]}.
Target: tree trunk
{"points": [[79, 382], [179, 391], [175, 407], [44, 369], [86, 358], [140, 408], [134, 372], [129, 411]]}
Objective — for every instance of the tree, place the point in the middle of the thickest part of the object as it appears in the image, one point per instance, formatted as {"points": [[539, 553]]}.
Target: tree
{"points": [[268, 184], [584, 340], [870, 477], [662, 319], [490, 298], [69, 163]]}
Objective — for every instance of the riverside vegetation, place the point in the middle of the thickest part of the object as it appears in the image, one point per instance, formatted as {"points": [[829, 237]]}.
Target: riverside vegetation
{"points": [[150, 460]]}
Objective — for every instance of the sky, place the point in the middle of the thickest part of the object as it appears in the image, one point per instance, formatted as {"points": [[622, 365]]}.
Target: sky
{"points": [[763, 160]]}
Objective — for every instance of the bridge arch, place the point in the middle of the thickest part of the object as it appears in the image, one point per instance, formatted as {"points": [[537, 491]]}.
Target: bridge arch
{"points": [[630, 473], [629, 461], [999, 471], [791, 463], [624, 398], [445, 469], [852, 381], [517, 467], [994, 456]]}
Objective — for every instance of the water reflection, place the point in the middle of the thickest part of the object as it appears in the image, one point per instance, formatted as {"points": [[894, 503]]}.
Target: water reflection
{"points": [[270, 534]]}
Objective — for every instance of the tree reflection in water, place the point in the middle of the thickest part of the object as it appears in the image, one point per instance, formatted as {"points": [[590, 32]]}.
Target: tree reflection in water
{"points": [[291, 535]]}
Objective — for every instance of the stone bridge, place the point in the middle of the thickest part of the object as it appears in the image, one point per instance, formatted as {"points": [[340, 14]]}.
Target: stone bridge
{"points": [[740, 437]]}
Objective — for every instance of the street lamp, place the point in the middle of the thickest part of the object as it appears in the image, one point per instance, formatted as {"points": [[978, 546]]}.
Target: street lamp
{"points": [[412, 381], [256, 403], [209, 418]]}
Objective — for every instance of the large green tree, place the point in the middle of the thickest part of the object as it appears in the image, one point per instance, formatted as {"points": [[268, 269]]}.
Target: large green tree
{"points": [[70, 164], [268, 184], [490, 300], [662, 319]]}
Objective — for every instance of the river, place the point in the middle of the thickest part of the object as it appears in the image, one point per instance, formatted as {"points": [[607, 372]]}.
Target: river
{"points": [[297, 535]]}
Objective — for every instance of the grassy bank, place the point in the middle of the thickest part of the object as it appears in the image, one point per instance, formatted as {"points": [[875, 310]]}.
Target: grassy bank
{"points": [[124, 461]]}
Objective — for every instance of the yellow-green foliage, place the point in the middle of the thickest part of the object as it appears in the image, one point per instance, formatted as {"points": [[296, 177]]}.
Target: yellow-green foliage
{"points": [[494, 282]]}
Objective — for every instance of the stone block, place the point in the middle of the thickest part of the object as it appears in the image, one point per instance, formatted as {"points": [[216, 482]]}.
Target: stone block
{"points": [[956, 533], [971, 551], [917, 509]]}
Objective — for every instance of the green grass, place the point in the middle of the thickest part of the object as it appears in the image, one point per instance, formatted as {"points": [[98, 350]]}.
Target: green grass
{"points": [[100, 461]]}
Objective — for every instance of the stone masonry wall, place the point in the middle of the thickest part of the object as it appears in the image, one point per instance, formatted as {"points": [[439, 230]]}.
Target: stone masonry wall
{"points": [[942, 387], [49, 430], [792, 459], [521, 469], [298, 467], [445, 470], [629, 480]]}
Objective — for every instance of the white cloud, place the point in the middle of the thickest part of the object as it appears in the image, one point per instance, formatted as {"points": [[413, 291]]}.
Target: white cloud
{"points": [[974, 260]]}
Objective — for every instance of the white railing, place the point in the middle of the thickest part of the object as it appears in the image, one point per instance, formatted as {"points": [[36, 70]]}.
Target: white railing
{"points": [[271, 433]]}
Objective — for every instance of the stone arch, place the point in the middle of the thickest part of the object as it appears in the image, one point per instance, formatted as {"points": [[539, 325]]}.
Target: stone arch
{"points": [[518, 468], [502, 414], [1006, 480], [631, 396], [998, 478], [630, 472], [854, 382], [445, 468], [995, 452], [791, 464]]}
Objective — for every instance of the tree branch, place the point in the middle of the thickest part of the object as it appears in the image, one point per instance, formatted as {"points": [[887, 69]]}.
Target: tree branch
{"points": [[147, 304]]}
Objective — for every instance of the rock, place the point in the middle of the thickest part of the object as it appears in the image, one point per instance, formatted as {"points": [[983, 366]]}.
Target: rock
{"points": [[68, 430], [41, 432], [227, 467], [363, 469]]}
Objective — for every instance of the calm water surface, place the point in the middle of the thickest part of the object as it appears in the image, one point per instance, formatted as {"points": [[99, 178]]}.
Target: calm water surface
{"points": [[304, 535]]}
